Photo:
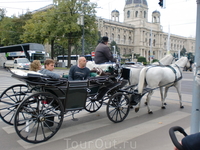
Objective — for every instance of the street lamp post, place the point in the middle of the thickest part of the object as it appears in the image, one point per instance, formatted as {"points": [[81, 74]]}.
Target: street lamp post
{"points": [[83, 36]]}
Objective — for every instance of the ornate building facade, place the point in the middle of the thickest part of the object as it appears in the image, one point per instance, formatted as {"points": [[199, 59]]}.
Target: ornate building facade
{"points": [[135, 34]]}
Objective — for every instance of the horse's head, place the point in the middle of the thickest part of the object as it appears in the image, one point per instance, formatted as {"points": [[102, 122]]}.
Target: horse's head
{"points": [[167, 60], [183, 62]]}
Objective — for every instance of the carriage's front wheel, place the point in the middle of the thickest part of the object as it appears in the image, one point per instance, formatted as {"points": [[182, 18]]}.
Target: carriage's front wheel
{"points": [[9, 101], [118, 107], [43, 116], [92, 105]]}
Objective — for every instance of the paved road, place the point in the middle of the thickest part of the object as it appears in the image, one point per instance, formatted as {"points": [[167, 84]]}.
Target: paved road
{"points": [[92, 131]]}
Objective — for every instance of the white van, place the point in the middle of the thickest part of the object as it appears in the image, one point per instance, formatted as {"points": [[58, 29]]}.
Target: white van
{"points": [[18, 63]]}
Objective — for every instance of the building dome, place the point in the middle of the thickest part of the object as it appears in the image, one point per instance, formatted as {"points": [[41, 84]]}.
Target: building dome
{"points": [[155, 11], [136, 2], [115, 11]]}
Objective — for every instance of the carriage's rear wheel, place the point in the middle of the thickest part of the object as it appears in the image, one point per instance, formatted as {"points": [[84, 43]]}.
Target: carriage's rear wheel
{"points": [[118, 107], [9, 101], [92, 105], [43, 116]]}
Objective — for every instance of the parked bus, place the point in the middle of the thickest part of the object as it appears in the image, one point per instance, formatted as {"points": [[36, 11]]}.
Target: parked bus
{"points": [[31, 51], [74, 59]]}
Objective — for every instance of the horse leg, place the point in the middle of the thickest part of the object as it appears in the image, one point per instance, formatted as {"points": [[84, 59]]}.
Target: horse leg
{"points": [[178, 88], [138, 107], [164, 98], [148, 101]]}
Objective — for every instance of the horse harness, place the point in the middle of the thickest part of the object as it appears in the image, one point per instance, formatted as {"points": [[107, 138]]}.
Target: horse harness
{"points": [[176, 79]]}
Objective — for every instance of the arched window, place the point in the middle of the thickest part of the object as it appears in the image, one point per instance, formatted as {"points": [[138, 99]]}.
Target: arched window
{"points": [[118, 39], [145, 14], [149, 42], [129, 40], [154, 42], [112, 38], [124, 39], [136, 14], [128, 14], [155, 19], [124, 51], [129, 51]]}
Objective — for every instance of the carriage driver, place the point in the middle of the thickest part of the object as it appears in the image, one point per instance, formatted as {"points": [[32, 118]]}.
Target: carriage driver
{"points": [[80, 71], [103, 53]]}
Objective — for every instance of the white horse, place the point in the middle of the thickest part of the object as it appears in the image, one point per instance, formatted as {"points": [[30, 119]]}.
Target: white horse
{"points": [[135, 71], [158, 76]]}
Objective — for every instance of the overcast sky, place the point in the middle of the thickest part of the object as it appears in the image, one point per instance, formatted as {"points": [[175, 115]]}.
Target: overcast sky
{"points": [[179, 16]]}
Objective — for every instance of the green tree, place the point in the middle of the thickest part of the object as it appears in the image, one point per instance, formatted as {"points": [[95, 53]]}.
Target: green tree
{"points": [[33, 29], [142, 59], [183, 52], [113, 43], [11, 29], [59, 25]]}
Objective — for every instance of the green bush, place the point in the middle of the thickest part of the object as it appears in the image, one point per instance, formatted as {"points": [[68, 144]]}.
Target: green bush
{"points": [[142, 59], [155, 60]]}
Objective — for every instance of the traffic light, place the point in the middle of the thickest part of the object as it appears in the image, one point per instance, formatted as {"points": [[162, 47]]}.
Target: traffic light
{"points": [[162, 3]]}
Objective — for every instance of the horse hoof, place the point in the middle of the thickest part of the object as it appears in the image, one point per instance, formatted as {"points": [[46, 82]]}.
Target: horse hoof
{"points": [[163, 107], [145, 103], [131, 107], [165, 103], [150, 112], [182, 107], [137, 109]]}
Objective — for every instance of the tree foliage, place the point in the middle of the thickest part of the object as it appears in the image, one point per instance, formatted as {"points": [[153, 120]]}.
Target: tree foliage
{"points": [[142, 59], [59, 25], [183, 52], [11, 29]]}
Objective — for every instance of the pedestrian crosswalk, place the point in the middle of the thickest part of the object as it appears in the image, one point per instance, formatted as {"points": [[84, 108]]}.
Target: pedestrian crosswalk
{"points": [[95, 131], [120, 137]]}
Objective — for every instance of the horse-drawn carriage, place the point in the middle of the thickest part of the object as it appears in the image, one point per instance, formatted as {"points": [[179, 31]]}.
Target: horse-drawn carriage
{"points": [[37, 108]]}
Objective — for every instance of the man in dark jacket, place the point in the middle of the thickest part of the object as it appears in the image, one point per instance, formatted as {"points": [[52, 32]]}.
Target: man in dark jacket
{"points": [[80, 71], [103, 53]]}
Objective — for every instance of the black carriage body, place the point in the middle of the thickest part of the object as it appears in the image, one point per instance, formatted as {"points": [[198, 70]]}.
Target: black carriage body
{"points": [[73, 94]]}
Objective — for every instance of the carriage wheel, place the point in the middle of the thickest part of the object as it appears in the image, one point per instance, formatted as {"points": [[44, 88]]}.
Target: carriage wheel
{"points": [[10, 99], [92, 105], [118, 107], [43, 116]]}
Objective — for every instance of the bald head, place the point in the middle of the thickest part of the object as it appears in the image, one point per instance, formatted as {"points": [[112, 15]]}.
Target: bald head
{"points": [[82, 62]]}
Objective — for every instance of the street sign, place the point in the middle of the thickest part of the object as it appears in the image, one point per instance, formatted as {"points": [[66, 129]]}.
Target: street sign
{"points": [[93, 53]]}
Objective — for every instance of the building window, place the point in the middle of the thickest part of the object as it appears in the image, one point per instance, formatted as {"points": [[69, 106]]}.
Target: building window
{"points": [[124, 39], [136, 14], [145, 14], [149, 42], [128, 14], [129, 40], [124, 52], [154, 42], [112, 38], [118, 39]]}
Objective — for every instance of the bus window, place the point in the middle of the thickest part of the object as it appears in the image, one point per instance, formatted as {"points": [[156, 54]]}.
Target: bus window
{"points": [[88, 57]]}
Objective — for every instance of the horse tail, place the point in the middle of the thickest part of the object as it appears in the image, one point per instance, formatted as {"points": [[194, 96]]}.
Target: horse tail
{"points": [[142, 78]]}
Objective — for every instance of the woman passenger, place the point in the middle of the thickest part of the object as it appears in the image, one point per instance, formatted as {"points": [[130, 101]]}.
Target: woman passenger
{"points": [[35, 66]]}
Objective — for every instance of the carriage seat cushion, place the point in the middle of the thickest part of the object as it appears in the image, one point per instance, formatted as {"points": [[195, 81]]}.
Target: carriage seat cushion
{"points": [[24, 72]]}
